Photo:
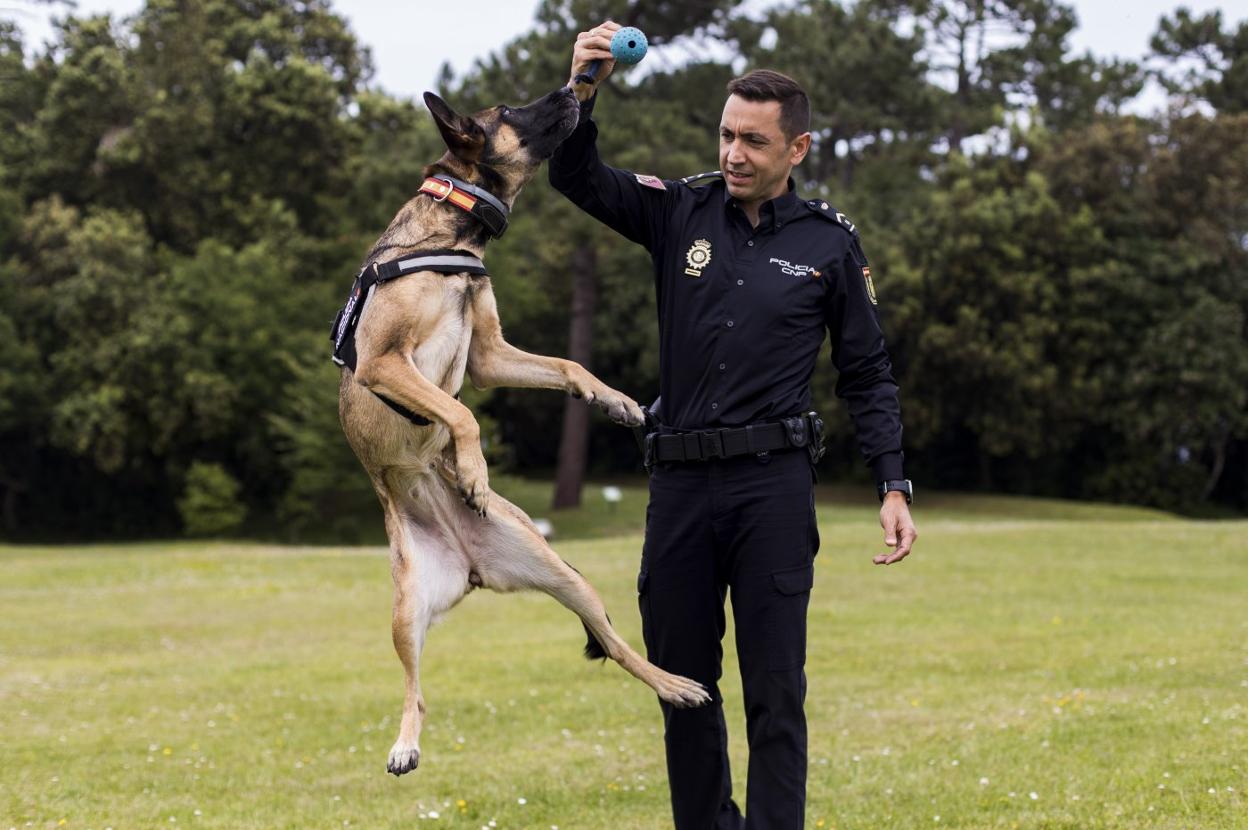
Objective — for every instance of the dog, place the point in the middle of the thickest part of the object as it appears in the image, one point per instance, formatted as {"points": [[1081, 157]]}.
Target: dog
{"points": [[422, 315]]}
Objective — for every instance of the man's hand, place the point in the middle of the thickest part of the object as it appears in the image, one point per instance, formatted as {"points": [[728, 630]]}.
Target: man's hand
{"points": [[899, 532], [591, 46]]}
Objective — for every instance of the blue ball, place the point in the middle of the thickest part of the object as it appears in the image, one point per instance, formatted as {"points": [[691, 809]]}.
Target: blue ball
{"points": [[628, 46]]}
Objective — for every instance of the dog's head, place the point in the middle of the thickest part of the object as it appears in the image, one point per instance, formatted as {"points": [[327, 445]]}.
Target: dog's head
{"points": [[502, 147]]}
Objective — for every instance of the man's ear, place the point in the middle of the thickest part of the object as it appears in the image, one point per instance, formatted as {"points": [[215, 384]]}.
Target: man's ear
{"points": [[462, 135], [801, 146]]}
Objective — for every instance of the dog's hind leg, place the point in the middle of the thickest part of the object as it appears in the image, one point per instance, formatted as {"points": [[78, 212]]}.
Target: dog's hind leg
{"points": [[427, 582], [510, 554]]}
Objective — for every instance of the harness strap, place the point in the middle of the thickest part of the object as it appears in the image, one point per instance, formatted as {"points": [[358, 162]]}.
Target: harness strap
{"points": [[482, 204], [343, 332], [442, 261]]}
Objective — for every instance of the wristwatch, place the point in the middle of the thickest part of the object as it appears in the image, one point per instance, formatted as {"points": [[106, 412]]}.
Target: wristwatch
{"points": [[900, 485]]}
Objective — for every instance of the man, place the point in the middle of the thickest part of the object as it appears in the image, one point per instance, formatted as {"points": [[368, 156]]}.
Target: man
{"points": [[747, 277]]}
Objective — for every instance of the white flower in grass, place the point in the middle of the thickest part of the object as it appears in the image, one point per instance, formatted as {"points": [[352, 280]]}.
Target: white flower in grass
{"points": [[522, 800], [983, 782], [433, 814], [1034, 796]]}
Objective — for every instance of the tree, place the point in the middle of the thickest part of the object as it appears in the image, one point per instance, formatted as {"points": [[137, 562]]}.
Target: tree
{"points": [[1204, 61], [866, 79]]}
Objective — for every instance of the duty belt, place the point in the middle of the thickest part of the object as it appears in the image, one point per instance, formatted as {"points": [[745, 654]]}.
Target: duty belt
{"points": [[798, 432]]}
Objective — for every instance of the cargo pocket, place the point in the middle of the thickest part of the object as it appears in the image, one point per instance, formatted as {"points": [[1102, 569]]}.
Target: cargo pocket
{"points": [[787, 620]]}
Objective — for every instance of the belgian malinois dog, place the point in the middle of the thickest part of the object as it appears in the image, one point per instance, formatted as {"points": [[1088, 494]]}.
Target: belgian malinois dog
{"points": [[417, 336]]}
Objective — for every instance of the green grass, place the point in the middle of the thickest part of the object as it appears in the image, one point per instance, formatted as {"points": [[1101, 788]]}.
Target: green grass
{"points": [[1094, 656]]}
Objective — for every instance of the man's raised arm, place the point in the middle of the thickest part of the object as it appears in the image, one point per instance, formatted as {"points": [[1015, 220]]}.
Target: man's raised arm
{"points": [[634, 205]]}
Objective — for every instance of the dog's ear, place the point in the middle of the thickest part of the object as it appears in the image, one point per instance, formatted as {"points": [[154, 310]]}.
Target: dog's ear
{"points": [[462, 135]]}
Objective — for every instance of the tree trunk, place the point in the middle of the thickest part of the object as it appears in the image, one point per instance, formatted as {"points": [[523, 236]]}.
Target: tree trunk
{"points": [[9, 514], [574, 442], [1219, 464]]}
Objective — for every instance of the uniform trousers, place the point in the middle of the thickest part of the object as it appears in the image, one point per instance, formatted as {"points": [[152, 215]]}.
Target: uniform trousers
{"points": [[743, 526]]}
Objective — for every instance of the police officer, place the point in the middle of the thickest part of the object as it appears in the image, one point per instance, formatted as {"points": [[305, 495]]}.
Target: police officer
{"points": [[747, 278]]}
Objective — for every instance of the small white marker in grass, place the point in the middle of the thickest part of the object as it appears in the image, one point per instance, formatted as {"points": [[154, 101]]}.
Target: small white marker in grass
{"points": [[612, 495]]}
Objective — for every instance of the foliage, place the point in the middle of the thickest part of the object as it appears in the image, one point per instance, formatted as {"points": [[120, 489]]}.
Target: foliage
{"points": [[185, 194], [210, 505], [1203, 60]]}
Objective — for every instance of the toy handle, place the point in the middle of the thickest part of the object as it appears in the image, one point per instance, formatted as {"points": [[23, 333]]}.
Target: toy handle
{"points": [[588, 76]]}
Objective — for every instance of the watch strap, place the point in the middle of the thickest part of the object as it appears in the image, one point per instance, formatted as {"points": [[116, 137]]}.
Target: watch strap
{"points": [[903, 486]]}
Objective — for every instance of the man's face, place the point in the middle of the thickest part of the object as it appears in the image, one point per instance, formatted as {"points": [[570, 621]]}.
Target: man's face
{"points": [[754, 155]]}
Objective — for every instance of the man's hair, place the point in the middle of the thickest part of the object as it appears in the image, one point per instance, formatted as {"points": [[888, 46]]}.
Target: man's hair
{"points": [[768, 85]]}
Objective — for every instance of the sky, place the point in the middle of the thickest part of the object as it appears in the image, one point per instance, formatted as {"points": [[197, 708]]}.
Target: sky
{"points": [[410, 39]]}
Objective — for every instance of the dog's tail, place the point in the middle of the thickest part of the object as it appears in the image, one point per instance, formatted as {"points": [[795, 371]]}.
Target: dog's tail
{"points": [[594, 649]]}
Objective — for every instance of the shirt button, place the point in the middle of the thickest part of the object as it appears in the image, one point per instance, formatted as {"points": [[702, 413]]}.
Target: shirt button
{"points": [[729, 324], [723, 366], [714, 406], [750, 243], [740, 282]]}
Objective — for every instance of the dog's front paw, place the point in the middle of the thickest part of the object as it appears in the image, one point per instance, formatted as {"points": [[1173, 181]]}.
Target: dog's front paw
{"points": [[474, 486], [403, 758], [621, 408]]}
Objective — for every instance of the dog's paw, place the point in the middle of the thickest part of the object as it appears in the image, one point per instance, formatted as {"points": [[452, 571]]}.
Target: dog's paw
{"points": [[622, 409], [681, 692], [477, 498], [403, 759], [473, 484]]}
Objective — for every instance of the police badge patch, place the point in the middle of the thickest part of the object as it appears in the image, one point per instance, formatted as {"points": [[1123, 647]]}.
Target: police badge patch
{"points": [[698, 257], [866, 275], [650, 181]]}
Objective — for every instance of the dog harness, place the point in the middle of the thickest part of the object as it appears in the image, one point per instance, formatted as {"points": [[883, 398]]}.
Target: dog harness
{"points": [[484, 206], [343, 332]]}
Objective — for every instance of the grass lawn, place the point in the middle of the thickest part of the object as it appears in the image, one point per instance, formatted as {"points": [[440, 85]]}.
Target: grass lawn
{"points": [[1032, 665]]}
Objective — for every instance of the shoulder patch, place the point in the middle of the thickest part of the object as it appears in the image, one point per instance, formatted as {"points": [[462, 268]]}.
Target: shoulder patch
{"points": [[702, 178], [650, 181], [822, 208]]}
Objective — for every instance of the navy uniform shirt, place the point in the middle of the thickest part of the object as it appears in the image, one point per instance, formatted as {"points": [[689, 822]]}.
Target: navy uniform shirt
{"points": [[742, 309]]}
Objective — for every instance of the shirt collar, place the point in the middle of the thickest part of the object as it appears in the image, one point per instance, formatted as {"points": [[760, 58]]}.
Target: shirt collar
{"points": [[773, 213]]}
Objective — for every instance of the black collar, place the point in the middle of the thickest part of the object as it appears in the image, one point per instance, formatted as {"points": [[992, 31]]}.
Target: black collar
{"points": [[487, 208]]}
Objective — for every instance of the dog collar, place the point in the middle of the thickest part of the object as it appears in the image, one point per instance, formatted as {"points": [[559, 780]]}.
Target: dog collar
{"points": [[484, 206]]}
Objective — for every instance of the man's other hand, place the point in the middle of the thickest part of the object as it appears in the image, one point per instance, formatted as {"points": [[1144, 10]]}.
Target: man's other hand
{"points": [[899, 532], [591, 46]]}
